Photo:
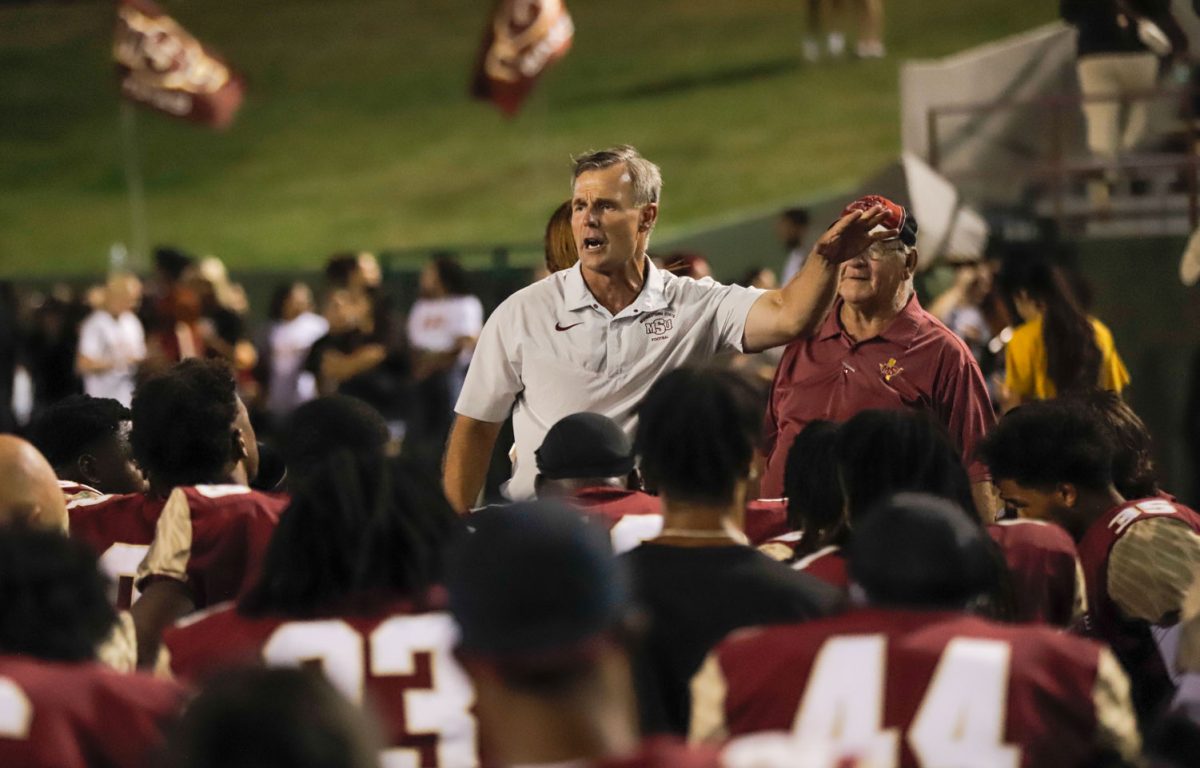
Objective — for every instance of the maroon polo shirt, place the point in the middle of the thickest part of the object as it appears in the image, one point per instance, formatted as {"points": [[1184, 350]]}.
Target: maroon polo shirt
{"points": [[915, 363]]}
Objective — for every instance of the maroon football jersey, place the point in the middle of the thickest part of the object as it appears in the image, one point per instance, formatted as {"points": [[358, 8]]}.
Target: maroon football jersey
{"points": [[1132, 641], [827, 564], [765, 519], [80, 715], [119, 529], [1045, 571], [630, 516], [923, 688], [212, 538], [664, 752], [398, 660]]}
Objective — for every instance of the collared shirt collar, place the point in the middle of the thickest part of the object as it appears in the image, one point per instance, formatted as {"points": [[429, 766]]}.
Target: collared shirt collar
{"points": [[902, 331], [651, 299]]}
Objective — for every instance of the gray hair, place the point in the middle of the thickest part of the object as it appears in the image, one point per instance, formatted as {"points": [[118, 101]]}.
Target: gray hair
{"points": [[643, 174]]}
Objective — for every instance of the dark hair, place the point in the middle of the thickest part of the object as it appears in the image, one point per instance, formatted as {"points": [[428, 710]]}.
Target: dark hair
{"points": [[696, 435], [810, 482], [921, 550], [74, 425], [317, 428], [1072, 357], [882, 452], [273, 717], [358, 531], [279, 298], [451, 275], [1133, 471], [797, 216], [182, 422], [340, 267], [172, 261], [56, 603], [1045, 443]]}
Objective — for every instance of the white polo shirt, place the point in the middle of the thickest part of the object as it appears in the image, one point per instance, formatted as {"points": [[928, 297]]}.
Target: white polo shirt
{"points": [[551, 350]]}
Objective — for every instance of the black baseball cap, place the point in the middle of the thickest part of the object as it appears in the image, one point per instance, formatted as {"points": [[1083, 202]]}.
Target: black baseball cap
{"points": [[585, 445], [916, 549], [534, 583]]}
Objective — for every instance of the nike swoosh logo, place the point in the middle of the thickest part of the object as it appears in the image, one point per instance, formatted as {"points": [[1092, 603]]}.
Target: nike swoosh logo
{"points": [[560, 327]]}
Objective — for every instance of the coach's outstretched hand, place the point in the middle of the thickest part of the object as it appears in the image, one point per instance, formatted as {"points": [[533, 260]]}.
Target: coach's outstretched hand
{"points": [[851, 235]]}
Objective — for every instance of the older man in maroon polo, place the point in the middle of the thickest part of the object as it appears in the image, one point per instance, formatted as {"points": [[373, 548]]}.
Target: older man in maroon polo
{"points": [[879, 349]]}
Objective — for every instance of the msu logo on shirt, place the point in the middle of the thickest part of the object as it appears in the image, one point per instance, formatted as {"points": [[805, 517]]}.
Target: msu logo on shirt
{"points": [[659, 324]]}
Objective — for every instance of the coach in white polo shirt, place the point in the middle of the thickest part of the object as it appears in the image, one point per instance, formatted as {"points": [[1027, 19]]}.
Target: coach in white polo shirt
{"points": [[596, 336]]}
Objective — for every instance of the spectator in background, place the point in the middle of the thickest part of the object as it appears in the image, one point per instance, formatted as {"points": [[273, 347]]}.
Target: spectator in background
{"points": [[1058, 348], [352, 358], [293, 329], [792, 228], [870, 30], [560, 240], [223, 305], [1113, 61], [823, 15], [686, 264], [172, 320], [52, 346], [443, 326], [960, 306], [112, 343]]}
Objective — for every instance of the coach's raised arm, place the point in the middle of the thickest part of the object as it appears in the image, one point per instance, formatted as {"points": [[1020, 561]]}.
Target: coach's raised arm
{"points": [[595, 337]]}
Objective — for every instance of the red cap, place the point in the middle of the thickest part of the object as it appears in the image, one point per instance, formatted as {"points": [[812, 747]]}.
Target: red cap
{"points": [[898, 216]]}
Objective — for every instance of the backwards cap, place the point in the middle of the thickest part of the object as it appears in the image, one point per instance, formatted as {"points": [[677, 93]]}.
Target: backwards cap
{"points": [[898, 216], [585, 445]]}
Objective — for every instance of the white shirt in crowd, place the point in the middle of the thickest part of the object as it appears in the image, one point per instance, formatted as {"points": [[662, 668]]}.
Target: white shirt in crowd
{"points": [[436, 325], [288, 342], [551, 350], [117, 341]]}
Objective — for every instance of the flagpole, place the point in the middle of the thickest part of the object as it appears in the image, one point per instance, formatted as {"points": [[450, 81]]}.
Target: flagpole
{"points": [[137, 190]]}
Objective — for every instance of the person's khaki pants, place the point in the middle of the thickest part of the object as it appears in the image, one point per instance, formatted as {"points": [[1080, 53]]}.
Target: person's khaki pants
{"points": [[1112, 75]]}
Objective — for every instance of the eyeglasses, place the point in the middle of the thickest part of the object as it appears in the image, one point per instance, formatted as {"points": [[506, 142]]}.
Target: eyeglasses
{"points": [[881, 248]]}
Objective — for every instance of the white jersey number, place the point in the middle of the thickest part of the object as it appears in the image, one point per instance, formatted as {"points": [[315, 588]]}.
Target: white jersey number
{"points": [[959, 724], [397, 648], [120, 563], [16, 713]]}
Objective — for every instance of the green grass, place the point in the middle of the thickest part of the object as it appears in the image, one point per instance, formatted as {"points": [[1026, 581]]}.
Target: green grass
{"points": [[357, 130]]}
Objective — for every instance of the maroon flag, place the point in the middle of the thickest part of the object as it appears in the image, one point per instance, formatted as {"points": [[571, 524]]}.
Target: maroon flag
{"points": [[162, 66], [523, 38]]}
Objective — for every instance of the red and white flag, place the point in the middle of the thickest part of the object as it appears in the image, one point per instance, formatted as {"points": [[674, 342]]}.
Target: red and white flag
{"points": [[162, 66], [523, 38]]}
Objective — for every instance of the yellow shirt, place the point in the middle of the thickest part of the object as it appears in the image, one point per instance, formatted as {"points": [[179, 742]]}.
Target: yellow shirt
{"points": [[1025, 362]]}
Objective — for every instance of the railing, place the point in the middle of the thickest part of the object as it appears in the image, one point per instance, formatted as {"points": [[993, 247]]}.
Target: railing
{"points": [[1059, 169]]}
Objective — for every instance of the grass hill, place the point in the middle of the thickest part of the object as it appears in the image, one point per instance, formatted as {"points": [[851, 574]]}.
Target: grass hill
{"points": [[357, 130]]}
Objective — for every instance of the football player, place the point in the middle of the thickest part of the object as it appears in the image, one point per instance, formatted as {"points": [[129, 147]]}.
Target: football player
{"points": [[191, 433], [587, 461], [59, 707], [1052, 461], [346, 585], [272, 718], [86, 440], [544, 611], [910, 678], [201, 529]]}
